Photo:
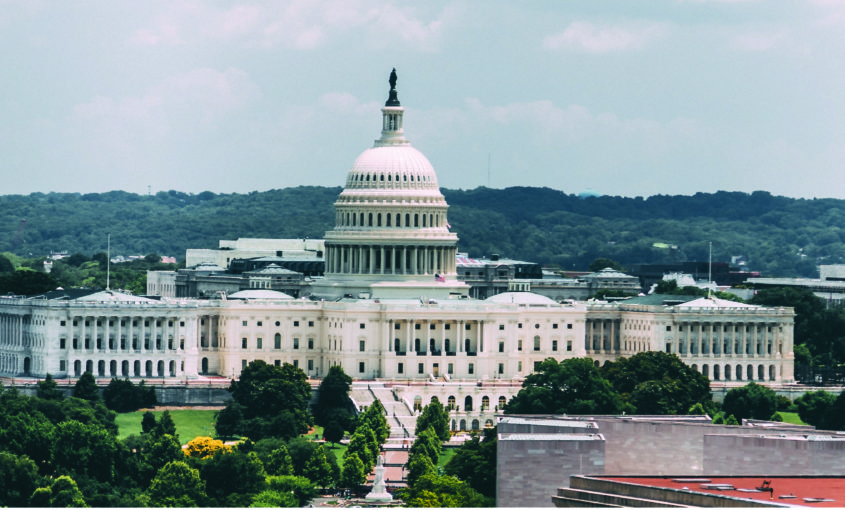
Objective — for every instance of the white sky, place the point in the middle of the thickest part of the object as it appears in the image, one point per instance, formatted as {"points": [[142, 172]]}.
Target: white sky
{"points": [[624, 97]]}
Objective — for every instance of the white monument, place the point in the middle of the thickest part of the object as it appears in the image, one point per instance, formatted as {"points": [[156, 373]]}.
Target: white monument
{"points": [[379, 492]]}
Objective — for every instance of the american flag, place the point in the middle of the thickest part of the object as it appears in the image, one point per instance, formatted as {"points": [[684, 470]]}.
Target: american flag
{"points": [[439, 278]]}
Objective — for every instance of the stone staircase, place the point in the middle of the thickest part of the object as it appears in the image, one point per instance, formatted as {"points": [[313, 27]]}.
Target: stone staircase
{"points": [[400, 418]]}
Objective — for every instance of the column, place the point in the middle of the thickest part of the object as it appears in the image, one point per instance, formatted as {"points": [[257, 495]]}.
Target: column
{"points": [[372, 260], [414, 260], [381, 260]]}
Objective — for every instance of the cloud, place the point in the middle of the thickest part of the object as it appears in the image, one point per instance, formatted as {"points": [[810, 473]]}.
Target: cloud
{"points": [[299, 24], [591, 38]]}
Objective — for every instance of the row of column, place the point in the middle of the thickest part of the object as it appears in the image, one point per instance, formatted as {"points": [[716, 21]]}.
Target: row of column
{"points": [[11, 330], [96, 332], [752, 343], [459, 346], [602, 335], [390, 260]]}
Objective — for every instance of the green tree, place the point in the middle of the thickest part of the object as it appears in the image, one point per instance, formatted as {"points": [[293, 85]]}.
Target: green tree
{"points": [[834, 418], [18, 479], [166, 425], [229, 419], [353, 473], [274, 499], [86, 388], [88, 450], [333, 396], [374, 418], [148, 422], [444, 492], [233, 477], [279, 462], [427, 443], [160, 452], [6, 265], [656, 382], [813, 405], [66, 494], [49, 390], [475, 463], [274, 398], [26, 283], [302, 488], [317, 468], [750, 401], [419, 465], [333, 432], [359, 445], [434, 416], [177, 485], [604, 263], [123, 396], [571, 386]]}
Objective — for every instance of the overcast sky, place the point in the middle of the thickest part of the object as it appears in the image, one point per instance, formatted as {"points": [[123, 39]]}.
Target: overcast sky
{"points": [[631, 98]]}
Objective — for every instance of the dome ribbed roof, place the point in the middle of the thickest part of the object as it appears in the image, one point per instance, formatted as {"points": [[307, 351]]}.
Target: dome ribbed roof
{"points": [[392, 167]]}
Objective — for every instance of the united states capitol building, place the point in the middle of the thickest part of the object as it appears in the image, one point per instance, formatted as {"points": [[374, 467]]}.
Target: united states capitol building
{"points": [[390, 307]]}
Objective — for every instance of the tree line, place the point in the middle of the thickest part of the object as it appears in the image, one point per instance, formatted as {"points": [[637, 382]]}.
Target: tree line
{"points": [[778, 236]]}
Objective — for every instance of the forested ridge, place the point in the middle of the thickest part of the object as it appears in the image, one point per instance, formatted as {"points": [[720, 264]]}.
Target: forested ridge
{"points": [[778, 236]]}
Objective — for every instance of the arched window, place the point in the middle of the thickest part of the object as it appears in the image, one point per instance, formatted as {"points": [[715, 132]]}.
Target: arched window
{"points": [[475, 425], [502, 402], [451, 402], [160, 369], [417, 403], [113, 368], [124, 368], [407, 219], [488, 424], [27, 364], [423, 220], [416, 220], [468, 403], [537, 343], [277, 341], [204, 366], [77, 368], [370, 218], [463, 425], [89, 366], [771, 372], [101, 368], [749, 372], [739, 372], [137, 369], [761, 373], [715, 372], [485, 402], [148, 368], [172, 369], [388, 217], [378, 220]]}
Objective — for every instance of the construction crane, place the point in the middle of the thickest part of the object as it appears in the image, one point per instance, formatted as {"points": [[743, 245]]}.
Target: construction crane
{"points": [[20, 229]]}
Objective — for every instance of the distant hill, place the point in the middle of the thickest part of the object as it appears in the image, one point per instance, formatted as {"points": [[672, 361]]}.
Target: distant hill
{"points": [[778, 236]]}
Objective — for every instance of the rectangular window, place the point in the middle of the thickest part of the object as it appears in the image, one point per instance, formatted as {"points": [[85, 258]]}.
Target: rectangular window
{"points": [[243, 364], [536, 343], [62, 366], [536, 365], [360, 367], [62, 343], [450, 369], [668, 348], [668, 328], [260, 323], [310, 364], [243, 323], [296, 363], [519, 325], [310, 343], [296, 343], [277, 342], [400, 368], [181, 323], [554, 345], [501, 368], [569, 345], [501, 327], [259, 343], [362, 345], [421, 368], [243, 343], [554, 326], [471, 369], [569, 326], [416, 326], [431, 326], [396, 326], [296, 324], [362, 326], [62, 323], [467, 327], [501, 346], [310, 324], [519, 345], [277, 362], [519, 366], [447, 326]]}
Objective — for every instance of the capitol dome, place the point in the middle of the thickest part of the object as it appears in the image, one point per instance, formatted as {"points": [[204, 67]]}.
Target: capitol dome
{"points": [[390, 218]]}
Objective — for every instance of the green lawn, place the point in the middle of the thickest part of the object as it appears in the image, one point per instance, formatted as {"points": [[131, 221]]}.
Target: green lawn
{"points": [[189, 423], [446, 456], [791, 418]]}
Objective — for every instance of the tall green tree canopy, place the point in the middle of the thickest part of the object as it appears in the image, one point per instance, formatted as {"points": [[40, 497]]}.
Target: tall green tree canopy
{"points": [[436, 417], [657, 382], [573, 386], [750, 401], [333, 402]]}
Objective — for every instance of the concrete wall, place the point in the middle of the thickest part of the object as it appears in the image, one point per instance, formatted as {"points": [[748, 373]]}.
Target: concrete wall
{"points": [[788, 455], [529, 471]]}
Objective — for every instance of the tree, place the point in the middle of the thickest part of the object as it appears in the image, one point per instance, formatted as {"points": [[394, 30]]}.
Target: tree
{"points": [[123, 396], [603, 263], [572, 386], [274, 499], [49, 390], [18, 479], [279, 462], [27, 283], [160, 452], [750, 401], [444, 492], [333, 432], [301, 488], [86, 388], [148, 422], [813, 405], [834, 418], [6, 265], [434, 416], [353, 473], [657, 383], [65, 493], [475, 463], [88, 450], [229, 420], [333, 395], [177, 485], [419, 465], [359, 446], [427, 443], [318, 469], [166, 425], [203, 447], [274, 400], [373, 417], [233, 477]]}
